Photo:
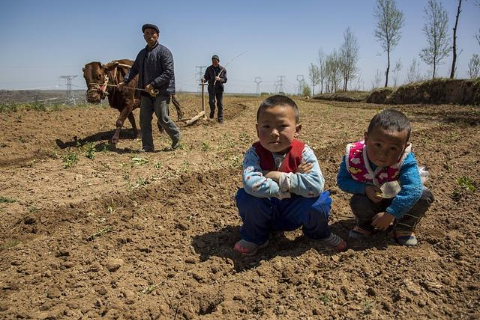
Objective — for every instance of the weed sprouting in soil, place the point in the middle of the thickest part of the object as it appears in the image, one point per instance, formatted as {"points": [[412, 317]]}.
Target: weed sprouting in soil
{"points": [[70, 159], [139, 161], [205, 146], [90, 150], [6, 200], [466, 183], [100, 233]]}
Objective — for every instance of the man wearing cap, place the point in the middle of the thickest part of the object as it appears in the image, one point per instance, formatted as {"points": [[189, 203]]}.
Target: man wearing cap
{"points": [[216, 75], [154, 65]]}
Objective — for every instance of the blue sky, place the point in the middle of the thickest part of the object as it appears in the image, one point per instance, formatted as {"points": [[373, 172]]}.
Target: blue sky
{"points": [[42, 40]]}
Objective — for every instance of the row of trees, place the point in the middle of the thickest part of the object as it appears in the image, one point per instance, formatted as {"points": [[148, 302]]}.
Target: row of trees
{"points": [[339, 68]]}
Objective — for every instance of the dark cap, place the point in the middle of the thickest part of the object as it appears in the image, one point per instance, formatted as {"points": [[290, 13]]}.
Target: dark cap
{"points": [[216, 57], [150, 26]]}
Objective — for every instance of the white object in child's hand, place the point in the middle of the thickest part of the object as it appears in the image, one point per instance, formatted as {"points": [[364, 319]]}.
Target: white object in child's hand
{"points": [[423, 174], [390, 189]]}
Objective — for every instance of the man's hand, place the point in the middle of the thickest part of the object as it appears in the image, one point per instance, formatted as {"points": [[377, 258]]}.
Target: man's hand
{"points": [[202, 80], [217, 78], [274, 175], [149, 88], [304, 167], [382, 220], [121, 85], [373, 193]]}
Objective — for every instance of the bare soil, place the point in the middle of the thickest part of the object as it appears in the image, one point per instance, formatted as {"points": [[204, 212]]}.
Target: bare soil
{"points": [[128, 235]]}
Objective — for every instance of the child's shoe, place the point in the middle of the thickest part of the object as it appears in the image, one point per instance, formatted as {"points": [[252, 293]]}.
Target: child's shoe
{"points": [[359, 233], [247, 248], [405, 238], [335, 242]]}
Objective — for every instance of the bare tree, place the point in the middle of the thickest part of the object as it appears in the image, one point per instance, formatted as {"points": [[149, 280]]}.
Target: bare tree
{"points": [[413, 73], [332, 68], [314, 75], [348, 57], [321, 66], [389, 22], [435, 29], [474, 67], [454, 47], [396, 71]]}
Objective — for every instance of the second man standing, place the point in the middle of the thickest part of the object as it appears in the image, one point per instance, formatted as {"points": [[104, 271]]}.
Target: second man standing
{"points": [[216, 75]]}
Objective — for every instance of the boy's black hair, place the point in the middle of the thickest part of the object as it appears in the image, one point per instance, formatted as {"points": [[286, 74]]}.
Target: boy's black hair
{"points": [[390, 120], [278, 100]]}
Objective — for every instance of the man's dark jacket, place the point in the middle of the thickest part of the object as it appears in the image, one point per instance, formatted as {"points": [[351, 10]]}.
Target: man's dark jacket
{"points": [[154, 67], [210, 75]]}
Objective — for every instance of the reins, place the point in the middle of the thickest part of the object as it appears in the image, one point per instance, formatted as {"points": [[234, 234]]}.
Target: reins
{"points": [[103, 87]]}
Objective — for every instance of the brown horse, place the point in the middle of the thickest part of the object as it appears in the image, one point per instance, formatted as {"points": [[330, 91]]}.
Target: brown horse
{"points": [[102, 81]]}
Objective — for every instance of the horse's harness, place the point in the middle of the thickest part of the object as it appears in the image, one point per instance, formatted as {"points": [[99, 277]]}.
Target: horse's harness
{"points": [[102, 88]]}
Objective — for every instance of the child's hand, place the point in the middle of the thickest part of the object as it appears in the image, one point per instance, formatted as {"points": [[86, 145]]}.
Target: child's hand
{"points": [[304, 167], [373, 193], [274, 175], [382, 220]]}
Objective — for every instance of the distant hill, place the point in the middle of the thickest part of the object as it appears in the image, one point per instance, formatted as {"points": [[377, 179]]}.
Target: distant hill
{"points": [[40, 96]]}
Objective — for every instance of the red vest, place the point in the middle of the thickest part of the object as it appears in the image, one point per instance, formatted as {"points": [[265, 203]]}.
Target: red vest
{"points": [[292, 160]]}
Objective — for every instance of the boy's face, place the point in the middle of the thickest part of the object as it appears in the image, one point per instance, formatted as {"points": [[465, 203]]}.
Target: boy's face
{"points": [[276, 128], [384, 147]]}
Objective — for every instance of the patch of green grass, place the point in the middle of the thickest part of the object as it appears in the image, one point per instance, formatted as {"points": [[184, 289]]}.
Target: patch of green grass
{"points": [[149, 289], [325, 298], [6, 200], [32, 209], [90, 150], [70, 159], [139, 161], [139, 183], [205, 146], [466, 183]]}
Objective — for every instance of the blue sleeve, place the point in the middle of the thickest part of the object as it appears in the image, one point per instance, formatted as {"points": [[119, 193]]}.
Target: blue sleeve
{"points": [[166, 61], [254, 182], [345, 181], [411, 191], [310, 184]]}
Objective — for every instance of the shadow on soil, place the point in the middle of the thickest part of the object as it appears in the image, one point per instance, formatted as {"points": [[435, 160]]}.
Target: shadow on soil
{"points": [[220, 243]]}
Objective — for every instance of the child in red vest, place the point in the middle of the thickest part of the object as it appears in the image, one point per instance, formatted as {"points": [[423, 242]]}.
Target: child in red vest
{"points": [[383, 175], [282, 182]]}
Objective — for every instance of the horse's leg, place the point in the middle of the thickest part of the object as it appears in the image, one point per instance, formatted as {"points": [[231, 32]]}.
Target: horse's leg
{"points": [[177, 107], [121, 119]]}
